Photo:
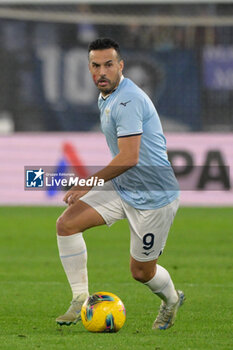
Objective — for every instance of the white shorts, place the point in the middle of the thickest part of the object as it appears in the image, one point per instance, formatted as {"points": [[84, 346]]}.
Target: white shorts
{"points": [[148, 228]]}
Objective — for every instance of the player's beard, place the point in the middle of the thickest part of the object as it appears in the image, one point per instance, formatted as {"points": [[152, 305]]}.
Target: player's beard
{"points": [[108, 89]]}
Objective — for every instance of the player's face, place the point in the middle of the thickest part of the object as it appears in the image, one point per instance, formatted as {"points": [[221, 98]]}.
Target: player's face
{"points": [[106, 69]]}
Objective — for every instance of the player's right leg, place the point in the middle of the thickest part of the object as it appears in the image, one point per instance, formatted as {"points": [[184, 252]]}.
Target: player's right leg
{"points": [[95, 208], [73, 254]]}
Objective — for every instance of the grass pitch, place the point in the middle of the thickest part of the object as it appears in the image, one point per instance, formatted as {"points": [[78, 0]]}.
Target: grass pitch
{"points": [[34, 290]]}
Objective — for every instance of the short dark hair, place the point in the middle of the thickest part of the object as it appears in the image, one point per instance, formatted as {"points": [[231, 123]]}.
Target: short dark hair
{"points": [[103, 44]]}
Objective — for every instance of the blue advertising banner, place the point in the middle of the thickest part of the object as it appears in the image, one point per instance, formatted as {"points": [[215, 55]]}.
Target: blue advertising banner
{"points": [[218, 68], [46, 84], [170, 78], [180, 99]]}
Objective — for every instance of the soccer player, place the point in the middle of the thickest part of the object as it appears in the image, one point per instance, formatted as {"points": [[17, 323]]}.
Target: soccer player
{"points": [[139, 185]]}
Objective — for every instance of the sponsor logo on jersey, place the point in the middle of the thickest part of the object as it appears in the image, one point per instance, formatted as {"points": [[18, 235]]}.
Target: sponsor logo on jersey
{"points": [[125, 103]]}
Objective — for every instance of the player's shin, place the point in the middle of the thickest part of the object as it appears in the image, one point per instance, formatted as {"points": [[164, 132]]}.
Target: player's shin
{"points": [[73, 255], [161, 284]]}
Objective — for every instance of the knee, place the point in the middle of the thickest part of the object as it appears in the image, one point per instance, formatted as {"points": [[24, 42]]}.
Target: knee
{"points": [[142, 275], [63, 227]]}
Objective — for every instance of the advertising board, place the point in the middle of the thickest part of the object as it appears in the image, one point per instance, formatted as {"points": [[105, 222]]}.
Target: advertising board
{"points": [[202, 162]]}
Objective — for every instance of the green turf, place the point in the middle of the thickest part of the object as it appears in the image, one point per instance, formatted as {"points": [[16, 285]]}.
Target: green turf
{"points": [[34, 289]]}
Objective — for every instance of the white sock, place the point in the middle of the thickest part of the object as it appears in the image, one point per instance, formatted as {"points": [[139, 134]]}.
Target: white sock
{"points": [[162, 285], [73, 255]]}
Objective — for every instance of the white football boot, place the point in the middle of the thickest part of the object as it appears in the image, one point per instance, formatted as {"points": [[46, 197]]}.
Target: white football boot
{"points": [[167, 314], [73, 314]]}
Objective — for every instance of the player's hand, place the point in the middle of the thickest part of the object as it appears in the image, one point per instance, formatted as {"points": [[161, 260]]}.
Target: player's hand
{"points": [[75, 193]]}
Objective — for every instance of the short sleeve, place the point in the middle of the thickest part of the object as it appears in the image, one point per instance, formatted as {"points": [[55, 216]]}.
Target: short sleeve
{"points": [[129, 117]]}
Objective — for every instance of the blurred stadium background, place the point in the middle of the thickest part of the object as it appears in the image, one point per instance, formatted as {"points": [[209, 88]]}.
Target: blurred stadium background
{"points": [[182, 54], [179, 52]]}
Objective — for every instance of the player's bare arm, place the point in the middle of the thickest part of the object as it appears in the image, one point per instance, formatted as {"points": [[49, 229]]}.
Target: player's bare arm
{"points": [[126, 158]]}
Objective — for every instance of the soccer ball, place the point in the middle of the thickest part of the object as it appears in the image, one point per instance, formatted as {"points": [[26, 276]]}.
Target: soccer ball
{"points": [[103, 312]]}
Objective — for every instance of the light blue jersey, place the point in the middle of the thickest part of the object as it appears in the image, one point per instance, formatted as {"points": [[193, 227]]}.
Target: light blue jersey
{"points": [[129, 111]]}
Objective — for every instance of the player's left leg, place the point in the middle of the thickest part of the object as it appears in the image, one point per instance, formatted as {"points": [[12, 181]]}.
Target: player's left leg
{"points": [[149, 230], [158, 279]]}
